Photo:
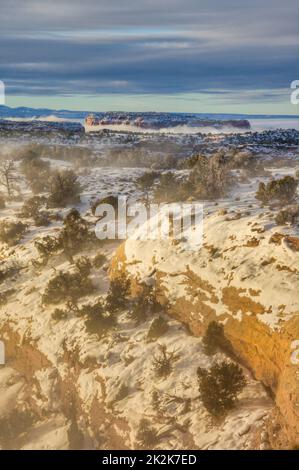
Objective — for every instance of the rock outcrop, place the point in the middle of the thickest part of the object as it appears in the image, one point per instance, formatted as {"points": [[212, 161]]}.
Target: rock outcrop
{"points": [[245, 276]]}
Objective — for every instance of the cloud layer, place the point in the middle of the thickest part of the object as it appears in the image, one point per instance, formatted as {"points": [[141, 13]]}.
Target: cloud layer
{"points": [[148, 46]]}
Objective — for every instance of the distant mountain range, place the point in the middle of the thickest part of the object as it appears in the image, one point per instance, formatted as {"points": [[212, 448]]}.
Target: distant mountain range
{"points": [[25, 112]]}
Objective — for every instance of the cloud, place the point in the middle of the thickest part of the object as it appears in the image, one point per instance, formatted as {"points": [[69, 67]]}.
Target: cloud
{"points": [[149, 46]]}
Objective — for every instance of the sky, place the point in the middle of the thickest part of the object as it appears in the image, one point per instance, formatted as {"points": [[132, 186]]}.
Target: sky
{"points": [[223, 56]]}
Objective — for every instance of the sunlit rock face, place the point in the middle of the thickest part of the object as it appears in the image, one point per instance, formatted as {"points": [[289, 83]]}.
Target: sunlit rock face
{"points": [[245, 277]]}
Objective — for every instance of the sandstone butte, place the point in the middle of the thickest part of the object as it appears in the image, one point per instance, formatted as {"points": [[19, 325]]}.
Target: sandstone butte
{"points": [[244, 276]]}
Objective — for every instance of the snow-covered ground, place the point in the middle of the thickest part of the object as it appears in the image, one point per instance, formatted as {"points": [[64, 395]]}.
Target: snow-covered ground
{"points": [[110, 380]]}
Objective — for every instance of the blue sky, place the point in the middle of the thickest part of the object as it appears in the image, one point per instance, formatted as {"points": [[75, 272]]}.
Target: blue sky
{"points": [[165, 55]]}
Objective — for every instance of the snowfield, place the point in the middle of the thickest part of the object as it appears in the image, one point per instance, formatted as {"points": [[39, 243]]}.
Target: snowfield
{"points": [[75, 389]]}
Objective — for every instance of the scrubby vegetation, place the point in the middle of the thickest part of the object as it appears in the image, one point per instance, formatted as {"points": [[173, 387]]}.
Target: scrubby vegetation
{"points": [[146, 181], [146, 435], [11, 232], [118, 294], [36, 171], [9, 269], [97, 319], [167, 188], [74, 235], [32, 206], [64, 188], [99, 260], [289, 215], [282, 191], [164, 361], [8, 177], [59, 314], [47, 246], [211, 177], [110, 200], [32, 209], [214, 339], [146, 303], [71, 286], [220, 386], [2, 201]]}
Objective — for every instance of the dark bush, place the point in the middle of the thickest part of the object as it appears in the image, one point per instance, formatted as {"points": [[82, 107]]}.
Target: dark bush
{"points": [[74, 234], [210, 177], [11, 232], [64, 189], [167, 188], [2, 201], [163, 362], [118, 294], [9, 271], [146, 303], [219, 387], [146, 181], [69, 285], [214, 339], [42, 219], [97, 319], [289, 215], [59, 314], [36, 171], [32, 206], [99, 260], [282, 191], [147, 435], [111, 200], [47, 246]]}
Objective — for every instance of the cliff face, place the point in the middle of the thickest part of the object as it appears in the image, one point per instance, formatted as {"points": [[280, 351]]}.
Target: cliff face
{"points": [[98, 386], [245, 276]]}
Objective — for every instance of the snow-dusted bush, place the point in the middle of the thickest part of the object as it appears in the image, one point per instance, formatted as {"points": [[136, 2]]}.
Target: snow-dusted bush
{"points": [[59, 314], [36, 171], [47, 246], [210, 177], [145, 304], [2, 201], [118, 293], [282, 191], [97, 319], [64, 189], [220, 386], [99, 260], [111, 200], [146, 181], [167, 188], [289, 215], [69, 285], [32, 206], [164, 361], [214, 339], [41, 219], [146, 435], [74, 234], [11, 232], [9, 269]]}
